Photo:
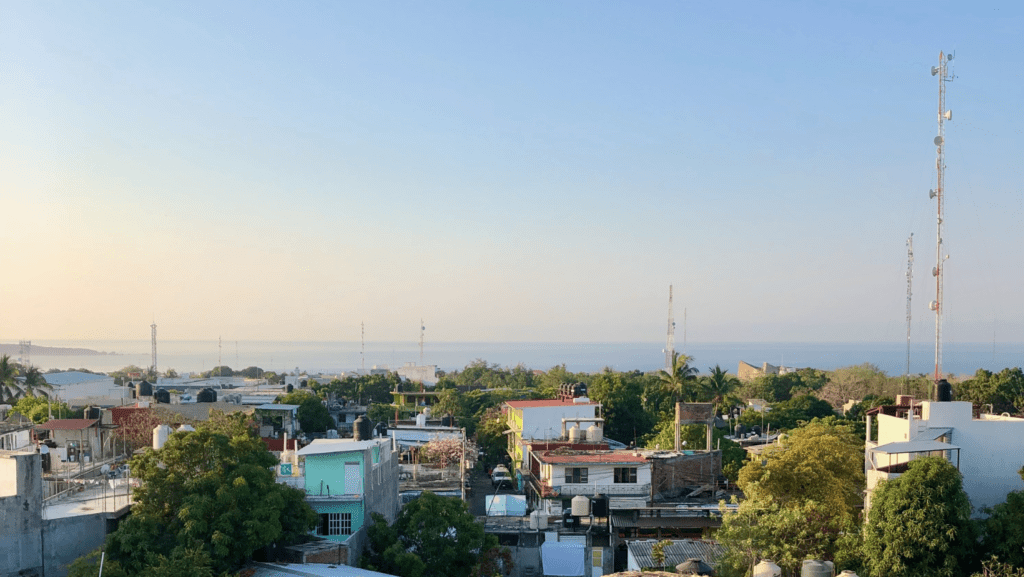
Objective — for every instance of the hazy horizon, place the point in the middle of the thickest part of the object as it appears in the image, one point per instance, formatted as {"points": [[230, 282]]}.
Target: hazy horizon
{"points": [[529, 172]]}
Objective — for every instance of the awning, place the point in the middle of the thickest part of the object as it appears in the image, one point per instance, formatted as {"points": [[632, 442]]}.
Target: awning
{"points": [[506, 505], [932, 433], [914, 447], [562, 559]]}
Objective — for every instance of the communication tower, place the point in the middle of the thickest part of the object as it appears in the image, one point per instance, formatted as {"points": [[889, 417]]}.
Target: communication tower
{"points": [[670, 340], [25, 353], [910, 282], [422, 330], [220, 351], [362, 349], [942, 71], [152, 365]]}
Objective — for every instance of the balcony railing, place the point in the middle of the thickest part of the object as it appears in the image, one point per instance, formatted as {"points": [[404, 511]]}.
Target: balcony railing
{"points": [[616, 490]]}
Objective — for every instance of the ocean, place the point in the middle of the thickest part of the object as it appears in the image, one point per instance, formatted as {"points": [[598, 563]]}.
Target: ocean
{"points": [[333, 357]]}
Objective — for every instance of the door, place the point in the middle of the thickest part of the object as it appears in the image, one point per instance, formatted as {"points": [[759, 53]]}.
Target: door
{"points": [[353, 479]]}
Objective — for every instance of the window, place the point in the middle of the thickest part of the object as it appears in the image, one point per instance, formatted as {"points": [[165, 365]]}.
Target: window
{"points": [[575, 475], [335, 524], [625, 474]]}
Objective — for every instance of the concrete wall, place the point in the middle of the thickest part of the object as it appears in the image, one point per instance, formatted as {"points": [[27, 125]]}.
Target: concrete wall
{"points": [[671, 475], [381, 484], [21, 514], [69, 538]]}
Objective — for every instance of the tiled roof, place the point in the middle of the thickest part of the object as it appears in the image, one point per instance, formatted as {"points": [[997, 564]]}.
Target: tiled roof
{"points": [[554, 458], [67, 424], [545, 403]]}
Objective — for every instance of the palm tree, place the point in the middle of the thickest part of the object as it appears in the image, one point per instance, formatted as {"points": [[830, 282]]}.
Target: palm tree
{"points": [[35, 382], [718, 387], [9, 388], [682, 373]]}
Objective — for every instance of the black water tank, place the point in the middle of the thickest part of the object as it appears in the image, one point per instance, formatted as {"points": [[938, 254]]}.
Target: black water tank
{"points": [[289, 388], [756, 429], [93, 413], [567, 519], [207, 395], [162, 396], [446, 421], [740, 430], [362, 429], [600, 505], [145, 389], [945, 391]]}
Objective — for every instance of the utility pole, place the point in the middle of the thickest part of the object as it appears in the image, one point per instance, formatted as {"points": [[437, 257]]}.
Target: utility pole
{"points": [[942, 71]]}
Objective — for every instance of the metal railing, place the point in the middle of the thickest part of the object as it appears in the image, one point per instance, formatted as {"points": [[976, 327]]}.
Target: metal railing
{"points": [[618, 489]]}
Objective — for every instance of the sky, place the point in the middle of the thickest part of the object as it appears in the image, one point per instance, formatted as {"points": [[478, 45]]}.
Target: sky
{"points": [[513, 171]]}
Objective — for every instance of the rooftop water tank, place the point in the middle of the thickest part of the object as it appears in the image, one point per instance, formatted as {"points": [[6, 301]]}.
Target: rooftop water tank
{"points": [[160, 434], [362, 429], [694, 566], [446, 421], [207, 395], [580, 506], [162, 396], [595, 433], [421, 420], [767, 569], [815, 568], [427, 411], [944, 391], [145, 389], [574, 433], [847, 573], [601, 503]]}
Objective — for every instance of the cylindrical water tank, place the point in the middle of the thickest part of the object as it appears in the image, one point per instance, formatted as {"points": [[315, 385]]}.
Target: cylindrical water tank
{"points": [[185, 429], [421, 420], [945, 391], [756, 429], [580, 506], [160, 434], [601, 503], [427, 411], [145, 389], [162, 396], [535, 520], [207, 395], [595, 433], [847, 573], [542, 520], [767, 569], [289, 388], [362, 430], [446, 421], [815, 568], [574, 433]]}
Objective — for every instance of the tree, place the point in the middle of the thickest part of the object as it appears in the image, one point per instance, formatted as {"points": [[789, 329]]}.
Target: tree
{"points": [[9, 389], [789, 414], [658, 553], [35, 383], [621, 396], [680, 379], [1003, 390], [208, 494], [313, 415], [1003, 530], [718, 387], [432, 536], [490, 436], [39, 409], [920, 523], [821, 461], [171, 373], [444, 451]]}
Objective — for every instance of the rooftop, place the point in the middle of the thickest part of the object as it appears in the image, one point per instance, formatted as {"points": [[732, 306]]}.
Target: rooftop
{"points": [[327, 446], [277, 407], [67, 424], [547, 403], [610, 457]]}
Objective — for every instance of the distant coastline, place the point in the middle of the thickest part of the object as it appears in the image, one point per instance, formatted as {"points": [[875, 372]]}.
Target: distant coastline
{"points": [[44, 351]]}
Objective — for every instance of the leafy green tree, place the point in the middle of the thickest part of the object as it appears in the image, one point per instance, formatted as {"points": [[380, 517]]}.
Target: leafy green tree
{"points": [[9, 389], [35, 383], [821, 461], [681, 381], [171, 373], [920, 523], [789, 414], [786, 534], [718, 387], [38, 409], [621, 397], [695, 437], [432, 536], [1003, 390], [1003, 530], [208, 494], [313, 415], [378, 412], [490, 436], [774, 388]]}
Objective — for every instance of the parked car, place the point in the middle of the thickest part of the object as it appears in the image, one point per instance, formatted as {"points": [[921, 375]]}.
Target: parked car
{"points": [[501, 478]]}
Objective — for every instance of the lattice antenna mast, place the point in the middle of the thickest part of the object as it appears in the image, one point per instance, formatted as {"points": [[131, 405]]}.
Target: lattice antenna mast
{"points": [[942, 71], [362, 348], [684, 330], [670, 339], [220, 350], [25, 353], [422, 330], [910, 283], [152, 365]]}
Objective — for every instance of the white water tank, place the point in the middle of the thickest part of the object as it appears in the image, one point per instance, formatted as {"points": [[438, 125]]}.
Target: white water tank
{"points": [[160, 434], [186, 429], [542, 520], [815, 568], [847, 573], [595, 433], [421, 420], [427, 412], [767, 569], [580, 506], [574, 433]]}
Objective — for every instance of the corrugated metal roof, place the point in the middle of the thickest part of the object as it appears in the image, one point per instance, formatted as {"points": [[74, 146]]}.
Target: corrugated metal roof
{"points": [[914, 447], [327, 446], [553, 458], [546, 403], [277, 407], [680, 550], [67, 424]]}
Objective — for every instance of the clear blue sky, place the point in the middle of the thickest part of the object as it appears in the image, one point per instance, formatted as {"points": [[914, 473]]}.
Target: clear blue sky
{"points": [[507, 171]]}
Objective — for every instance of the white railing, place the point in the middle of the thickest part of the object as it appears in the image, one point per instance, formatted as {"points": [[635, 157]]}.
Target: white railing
{"points": [[618, 489]]}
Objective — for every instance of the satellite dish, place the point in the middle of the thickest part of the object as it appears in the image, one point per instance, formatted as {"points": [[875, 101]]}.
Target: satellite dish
{"points": [[937, 141], [949, 57], [932, 194], [935, 70], [949, 115]]}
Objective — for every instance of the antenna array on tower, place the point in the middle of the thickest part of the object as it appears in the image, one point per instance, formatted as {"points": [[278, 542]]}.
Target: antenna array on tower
{"points": [[910, 282], [942, 71], [670, 340]]}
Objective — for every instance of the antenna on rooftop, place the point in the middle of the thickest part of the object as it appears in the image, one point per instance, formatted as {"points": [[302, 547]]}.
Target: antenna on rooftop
{"points": [[25, 353], [670, 340], [936, 305], [220, 350], [422, 329], [910, 282], [362, 350], [152, 364]]}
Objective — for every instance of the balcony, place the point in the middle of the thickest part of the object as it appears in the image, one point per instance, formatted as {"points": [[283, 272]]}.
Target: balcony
{"points": [[317, 496], [615, 490]]}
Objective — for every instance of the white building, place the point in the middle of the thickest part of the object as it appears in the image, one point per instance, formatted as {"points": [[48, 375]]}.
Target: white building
{"points": [[561, 475], [988, 449], [426, 374]]}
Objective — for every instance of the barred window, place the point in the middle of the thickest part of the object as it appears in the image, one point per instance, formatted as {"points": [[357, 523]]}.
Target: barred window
{"points": [[625, 474], [576, 475], [335, 524]]}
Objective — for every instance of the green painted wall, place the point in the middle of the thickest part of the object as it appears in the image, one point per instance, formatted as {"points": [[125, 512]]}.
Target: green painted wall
{"points": [[330, 469], [356, 509]]}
